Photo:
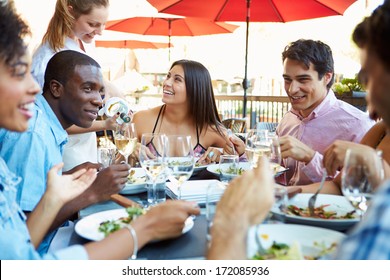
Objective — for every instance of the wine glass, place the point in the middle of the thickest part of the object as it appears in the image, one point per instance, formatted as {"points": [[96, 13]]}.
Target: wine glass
{"points": [[152, 160], [257, 145], [125, 139], [361, 174], [180, 159]]}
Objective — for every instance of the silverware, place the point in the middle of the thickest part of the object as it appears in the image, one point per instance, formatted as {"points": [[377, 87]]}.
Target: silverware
{"points": [[124, 201], [313, 198], [260, 249]]}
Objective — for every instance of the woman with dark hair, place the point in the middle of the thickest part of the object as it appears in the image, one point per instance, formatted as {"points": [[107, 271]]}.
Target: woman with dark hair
{"points": [[189, 108]]}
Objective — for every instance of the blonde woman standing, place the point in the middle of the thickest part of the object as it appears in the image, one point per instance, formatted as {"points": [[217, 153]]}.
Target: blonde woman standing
{"points": [[74, 25]]}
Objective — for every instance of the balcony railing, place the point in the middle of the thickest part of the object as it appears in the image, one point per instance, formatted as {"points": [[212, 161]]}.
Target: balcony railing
{"points": [[259, 108]]}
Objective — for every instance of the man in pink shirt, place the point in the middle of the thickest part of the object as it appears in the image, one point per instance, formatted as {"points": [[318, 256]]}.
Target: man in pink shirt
{"points": [[317, 117]]}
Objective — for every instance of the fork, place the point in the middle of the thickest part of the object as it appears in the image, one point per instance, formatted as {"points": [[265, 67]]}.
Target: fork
{"points": [[313, 198], [260, 249]]}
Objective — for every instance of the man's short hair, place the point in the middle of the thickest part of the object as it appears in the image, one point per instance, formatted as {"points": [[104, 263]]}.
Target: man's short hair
{"points": [[310, 51], [61, 66]]}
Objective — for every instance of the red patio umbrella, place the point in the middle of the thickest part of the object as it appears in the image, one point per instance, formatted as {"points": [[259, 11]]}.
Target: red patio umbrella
{"points": [[171, 25], [130, 44], [253, 10]]}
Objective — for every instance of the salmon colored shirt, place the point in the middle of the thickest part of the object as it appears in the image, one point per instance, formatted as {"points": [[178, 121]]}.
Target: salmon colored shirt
{"points": [[332, 119]]}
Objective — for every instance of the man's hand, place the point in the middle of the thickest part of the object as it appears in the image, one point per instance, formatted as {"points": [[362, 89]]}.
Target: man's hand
{"points": [[334, 155], [85, 165], [293, 148], [110, 180]]}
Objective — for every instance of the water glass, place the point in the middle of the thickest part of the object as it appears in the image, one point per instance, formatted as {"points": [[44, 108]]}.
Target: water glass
{"points": [[156, 194], [228, 167], [214, 192], [152, 159], [106, 156], [279, 206]]}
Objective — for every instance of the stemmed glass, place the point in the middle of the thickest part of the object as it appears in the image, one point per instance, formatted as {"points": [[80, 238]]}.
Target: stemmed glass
{"points": [[180, 159], [361, 174], [257, 145], [125, 139], [261, 142], [152, 160]]}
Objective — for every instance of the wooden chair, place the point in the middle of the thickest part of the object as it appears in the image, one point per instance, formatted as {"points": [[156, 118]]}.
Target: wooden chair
{"points": [[270, 126], [237, 125]]}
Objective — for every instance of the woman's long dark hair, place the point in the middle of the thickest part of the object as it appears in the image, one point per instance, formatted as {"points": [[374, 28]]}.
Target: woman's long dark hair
{"points": [[200, 95]]}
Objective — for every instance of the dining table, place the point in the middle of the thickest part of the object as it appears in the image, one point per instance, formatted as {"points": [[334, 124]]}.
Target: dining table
{"points": [[190, 245]]}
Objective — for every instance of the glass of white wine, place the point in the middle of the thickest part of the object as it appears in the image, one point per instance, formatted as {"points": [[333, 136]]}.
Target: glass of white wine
{"points": [[180, 159], [257, 145], [125, 139], [152, 160]]}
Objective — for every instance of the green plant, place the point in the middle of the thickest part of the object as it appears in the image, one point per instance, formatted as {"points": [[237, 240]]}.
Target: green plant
{"points": [[347, 85]]}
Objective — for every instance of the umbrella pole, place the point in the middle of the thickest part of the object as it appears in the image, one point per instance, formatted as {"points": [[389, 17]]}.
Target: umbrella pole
{"points": [[169, 39], [245, 81]]}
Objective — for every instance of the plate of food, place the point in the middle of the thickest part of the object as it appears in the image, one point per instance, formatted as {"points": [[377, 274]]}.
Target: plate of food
{"points": [[292, 242], [331, 211], [216, 168], [97, 226], [243, 166], [136, 181], [200, 166]]}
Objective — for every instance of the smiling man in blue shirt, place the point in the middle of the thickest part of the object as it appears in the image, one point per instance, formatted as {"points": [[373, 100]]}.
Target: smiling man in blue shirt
{"points": [[71, 95]]}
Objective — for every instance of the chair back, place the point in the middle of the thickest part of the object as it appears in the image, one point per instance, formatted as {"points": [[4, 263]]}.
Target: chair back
{"points": [[236, 125], [270, 126]]}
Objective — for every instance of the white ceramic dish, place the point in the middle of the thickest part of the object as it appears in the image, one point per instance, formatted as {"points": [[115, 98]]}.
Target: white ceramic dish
{"points": [[245, 166], [336, 203], [88, 226], [307, 237], [215, 168], [139, 182]]}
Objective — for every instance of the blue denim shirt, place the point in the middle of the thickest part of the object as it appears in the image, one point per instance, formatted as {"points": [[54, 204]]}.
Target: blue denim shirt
{"points": [[15, 240], [31, 154]]}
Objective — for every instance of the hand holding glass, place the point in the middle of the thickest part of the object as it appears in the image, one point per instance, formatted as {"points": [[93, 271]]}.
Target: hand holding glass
{"points": [[126, 139]]}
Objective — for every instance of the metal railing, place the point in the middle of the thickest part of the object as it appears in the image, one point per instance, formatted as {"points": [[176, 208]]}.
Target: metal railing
{"points": [[259, 108]]}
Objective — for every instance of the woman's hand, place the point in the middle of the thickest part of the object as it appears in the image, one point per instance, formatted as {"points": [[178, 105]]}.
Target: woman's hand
{"points": [[63, 188], [211, 155]]}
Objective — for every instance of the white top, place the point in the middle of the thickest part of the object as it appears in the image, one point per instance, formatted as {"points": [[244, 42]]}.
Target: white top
{"points": [[80, 147]]}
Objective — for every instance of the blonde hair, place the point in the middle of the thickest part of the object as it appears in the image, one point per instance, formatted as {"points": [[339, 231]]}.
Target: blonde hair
{"points": [[62, 22]]}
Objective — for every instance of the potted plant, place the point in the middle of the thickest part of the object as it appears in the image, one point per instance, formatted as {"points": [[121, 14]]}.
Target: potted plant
{"points": [[349, 87]]}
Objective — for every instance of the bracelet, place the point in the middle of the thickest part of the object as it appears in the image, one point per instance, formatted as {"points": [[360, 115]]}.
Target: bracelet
{"points": [[135, 241]]}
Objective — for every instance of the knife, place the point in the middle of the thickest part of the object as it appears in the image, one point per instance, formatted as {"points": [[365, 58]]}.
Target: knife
{"points": [[124, 201]]}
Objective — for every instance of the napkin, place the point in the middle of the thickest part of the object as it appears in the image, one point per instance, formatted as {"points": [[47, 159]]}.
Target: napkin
{"points": [[194, 190]]}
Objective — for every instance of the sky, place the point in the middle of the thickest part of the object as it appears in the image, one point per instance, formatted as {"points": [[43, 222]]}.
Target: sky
{"points": [[223, 54]]}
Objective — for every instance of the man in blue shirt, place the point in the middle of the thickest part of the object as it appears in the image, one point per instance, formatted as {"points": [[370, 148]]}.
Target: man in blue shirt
{"points": [[71, 96]]}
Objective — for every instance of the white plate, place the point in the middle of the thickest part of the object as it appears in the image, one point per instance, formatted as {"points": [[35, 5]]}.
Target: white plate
{"points": [[88, 226], [336, 203], [306, 236], [214, 168], [137, 187], [197, 169], [245, 166]]}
